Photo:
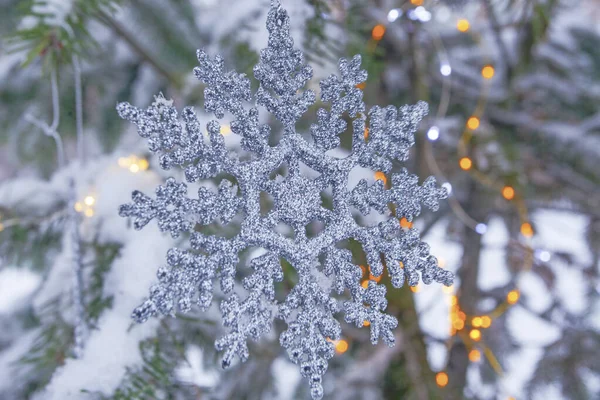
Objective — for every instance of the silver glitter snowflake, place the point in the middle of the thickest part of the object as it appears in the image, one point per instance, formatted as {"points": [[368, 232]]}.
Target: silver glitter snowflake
{"points": [[310, 306]]}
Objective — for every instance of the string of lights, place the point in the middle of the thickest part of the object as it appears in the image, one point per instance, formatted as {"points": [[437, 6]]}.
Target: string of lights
{"points": [[469, 328]]}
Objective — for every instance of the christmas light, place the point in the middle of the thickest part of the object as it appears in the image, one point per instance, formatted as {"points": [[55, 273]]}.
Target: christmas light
{"points": [[487, 72], [486, 321], [474, 355], [458, 324], [341, 346], [365, 284], [404, 223], [475, 334], [366, 323], [433, 133], [415, 289], [380, 176], [416, 2], [445, 69], [366, 134], [361, 86], [143, 164], [89, 200], [513, 296], [89, 212], [543, 255], [422, 14], [481, 228], [78, 207], [527, 229], [465, 163], [394, 14], [462, 25], [476, 322], [441, 379], [378, 32], [225, 130], [508, 192], [448, 187], [134, 168], [473, 123]]}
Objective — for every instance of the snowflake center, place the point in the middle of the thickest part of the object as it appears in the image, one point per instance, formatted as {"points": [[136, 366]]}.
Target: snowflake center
{"points": [[297, 199]]}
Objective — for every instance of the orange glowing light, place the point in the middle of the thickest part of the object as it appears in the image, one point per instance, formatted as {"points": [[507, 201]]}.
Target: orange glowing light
{"points": [[487, 72], [366, 134], [458, 324], [341, 346], [527, 229], [474, 355], [416, 2], [453, 300], [465, 163], [462, 25], [361, 85], [404, 223], [378, 32], [380, 176], [513, 296], [486, 321], [441, 378], [473, 123], [508, 193], [476, 322], [375, 278], [415, 289], [365, 284], [475, 334], [366, 323]]}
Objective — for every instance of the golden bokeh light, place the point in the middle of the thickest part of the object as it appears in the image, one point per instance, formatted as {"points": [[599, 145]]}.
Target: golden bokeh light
{"points": [[508, 193], [473, 123], [513, 296], [441, 379], [465, 163], [462, 25], [475, 334]]}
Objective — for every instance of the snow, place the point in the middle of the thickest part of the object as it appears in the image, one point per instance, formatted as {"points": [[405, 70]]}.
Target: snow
{"points": [[194, 372], [15, 285], [56, 11], [112, 348]]}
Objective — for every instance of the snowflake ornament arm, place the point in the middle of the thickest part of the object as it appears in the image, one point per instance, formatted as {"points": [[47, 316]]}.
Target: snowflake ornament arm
{"points": [[310, 309]]}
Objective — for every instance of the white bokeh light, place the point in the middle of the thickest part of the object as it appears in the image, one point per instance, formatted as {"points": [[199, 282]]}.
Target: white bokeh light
{"points": [[445, 69], [394, 14], [433, 133]]}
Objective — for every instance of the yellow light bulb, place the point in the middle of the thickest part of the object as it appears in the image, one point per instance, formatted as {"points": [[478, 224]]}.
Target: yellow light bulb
{"points": [[89, 212], [143, 164], [341, 346], [486, 321], [475, 334], [474, 355], [465, 163], [78, 207], [513, 296], [476, 322], [487, 72], [462, 25], [527, 230], [473, 123], [416, 2], [134, 168]]}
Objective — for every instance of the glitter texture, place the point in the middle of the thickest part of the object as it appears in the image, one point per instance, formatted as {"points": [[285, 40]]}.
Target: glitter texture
{"points": [[310, 308]]}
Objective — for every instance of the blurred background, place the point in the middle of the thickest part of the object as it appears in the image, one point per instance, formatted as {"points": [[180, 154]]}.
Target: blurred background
{"points": [[512, 133]]}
